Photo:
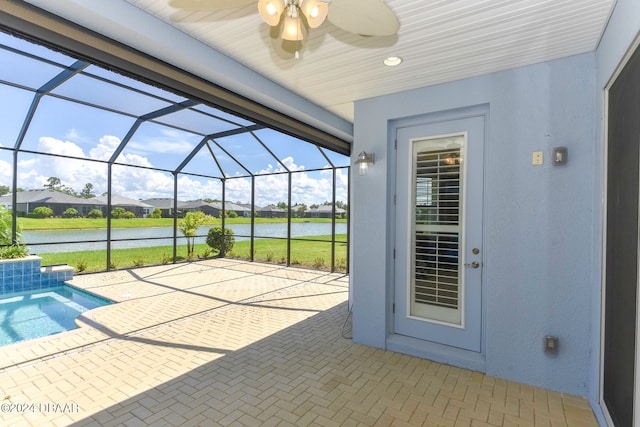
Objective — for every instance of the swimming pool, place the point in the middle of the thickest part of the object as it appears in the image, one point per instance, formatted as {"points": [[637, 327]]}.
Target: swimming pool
{"points": [[33, 314]]}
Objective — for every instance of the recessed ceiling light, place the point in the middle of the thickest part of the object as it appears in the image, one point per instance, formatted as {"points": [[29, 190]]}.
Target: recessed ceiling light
{"points": [[392, 61]]}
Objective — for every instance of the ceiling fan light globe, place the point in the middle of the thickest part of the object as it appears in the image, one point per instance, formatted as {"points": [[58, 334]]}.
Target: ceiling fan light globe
{"points": [[315, 11], [292, 30], [271, 10]]}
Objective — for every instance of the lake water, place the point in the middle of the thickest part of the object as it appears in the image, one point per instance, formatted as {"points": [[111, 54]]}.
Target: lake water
{"points": [[161, 236]]}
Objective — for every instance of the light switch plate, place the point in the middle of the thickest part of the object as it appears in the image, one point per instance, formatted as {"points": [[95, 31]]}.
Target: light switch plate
{"points": [[538, 158]]}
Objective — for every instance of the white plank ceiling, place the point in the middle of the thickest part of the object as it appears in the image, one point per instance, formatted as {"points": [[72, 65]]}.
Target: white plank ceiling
{"points": [[439, 40]]}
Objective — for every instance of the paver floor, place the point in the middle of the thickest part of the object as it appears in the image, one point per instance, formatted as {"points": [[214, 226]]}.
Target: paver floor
{"points": [[224, 342]]}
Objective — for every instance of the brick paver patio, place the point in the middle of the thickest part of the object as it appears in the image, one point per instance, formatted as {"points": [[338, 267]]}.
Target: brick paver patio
{"points": [[224, 342]]}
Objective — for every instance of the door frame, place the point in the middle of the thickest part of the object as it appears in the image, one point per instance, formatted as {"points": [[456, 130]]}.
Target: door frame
{"points": [[415, 346], [605, 171]]}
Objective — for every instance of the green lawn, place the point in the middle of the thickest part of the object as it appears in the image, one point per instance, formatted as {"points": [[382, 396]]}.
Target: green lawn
{"points": [[303, 253], [76, 223]]}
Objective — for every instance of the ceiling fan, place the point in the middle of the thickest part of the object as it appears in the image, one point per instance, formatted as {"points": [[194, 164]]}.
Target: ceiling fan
{"points": [[363, 17]]}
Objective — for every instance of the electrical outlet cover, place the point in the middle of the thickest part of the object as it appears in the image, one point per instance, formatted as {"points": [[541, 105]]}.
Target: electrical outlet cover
{"points": [[538, 158]]}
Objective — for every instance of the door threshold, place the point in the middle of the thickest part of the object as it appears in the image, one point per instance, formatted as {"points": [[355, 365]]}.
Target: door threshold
{"points": [[437, 352]]}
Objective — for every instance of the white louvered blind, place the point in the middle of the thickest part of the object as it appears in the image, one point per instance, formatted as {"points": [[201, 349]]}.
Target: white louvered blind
{"points": [[437, 228]]}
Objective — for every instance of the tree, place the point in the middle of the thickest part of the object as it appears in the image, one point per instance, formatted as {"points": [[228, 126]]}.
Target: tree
{"points": [[4, 190], [10, 248], [67, 190], [188, 226], [95, 213], [41, 212], [341, 205], [118, 212], [71, 213], [301, 210], [53, 183], [314, 206], [87, 191], [6, 223], [157, 213], [228, 214], [122, 213], [215, 240]]}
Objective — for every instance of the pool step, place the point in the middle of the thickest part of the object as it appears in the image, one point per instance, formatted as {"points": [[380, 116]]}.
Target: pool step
{"points": [[55, 275], [25, 274]]}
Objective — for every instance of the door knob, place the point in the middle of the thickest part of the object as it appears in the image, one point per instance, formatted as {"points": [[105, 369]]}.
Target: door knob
{"points": [[475, 264]]}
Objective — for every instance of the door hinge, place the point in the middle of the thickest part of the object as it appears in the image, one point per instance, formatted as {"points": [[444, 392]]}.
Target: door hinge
{"points": [[393, 308], [394, 199], [394, 253], [395, 144]]}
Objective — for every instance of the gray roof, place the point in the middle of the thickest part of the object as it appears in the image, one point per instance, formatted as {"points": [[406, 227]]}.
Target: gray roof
{"points": [[246, 205], [162, 203], [195, 204], [325, 208], [270, 208], [49, 196], [230, 206], [117, 200]]}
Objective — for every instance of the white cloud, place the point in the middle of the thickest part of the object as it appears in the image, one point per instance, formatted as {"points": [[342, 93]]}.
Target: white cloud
{"points": [[108, 144], [73, 134], [5, 170], [140, 183], [134, 159], [27, 163], [170, 142], [193, 189], [30, 176], [47, 144], [307, 188], [271, 189], [105, 148]]}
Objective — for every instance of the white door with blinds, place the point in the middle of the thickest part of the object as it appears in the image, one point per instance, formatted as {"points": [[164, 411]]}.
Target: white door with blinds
{"points": [[439, 190]]}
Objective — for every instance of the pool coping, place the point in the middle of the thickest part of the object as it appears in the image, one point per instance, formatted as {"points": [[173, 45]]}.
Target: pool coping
{"points": [[122, 319]]}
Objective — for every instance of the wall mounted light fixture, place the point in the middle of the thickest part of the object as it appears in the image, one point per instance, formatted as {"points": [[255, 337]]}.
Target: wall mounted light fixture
{"points": [[364, 160]]}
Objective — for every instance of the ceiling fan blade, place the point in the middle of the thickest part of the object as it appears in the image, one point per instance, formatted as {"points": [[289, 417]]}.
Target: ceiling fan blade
{"points": [[208, 4], [364, 17]]}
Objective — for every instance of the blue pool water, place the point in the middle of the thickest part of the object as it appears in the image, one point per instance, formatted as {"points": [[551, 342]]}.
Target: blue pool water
{"points": [[28, 315]]}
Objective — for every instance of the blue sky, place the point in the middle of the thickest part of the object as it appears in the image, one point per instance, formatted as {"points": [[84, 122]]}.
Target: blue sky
{"points": [[85, 133]]}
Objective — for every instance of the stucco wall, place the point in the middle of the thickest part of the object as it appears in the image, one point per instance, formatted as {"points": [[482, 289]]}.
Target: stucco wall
{"points": [[538, 219]]}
